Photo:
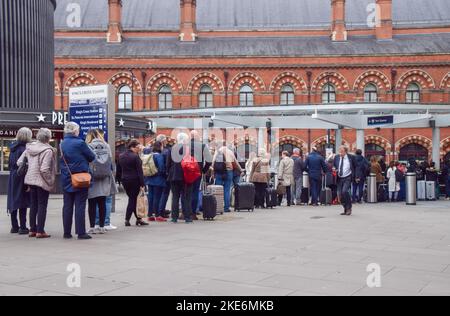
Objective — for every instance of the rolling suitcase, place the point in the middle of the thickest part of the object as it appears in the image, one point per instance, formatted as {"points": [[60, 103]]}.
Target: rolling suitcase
{"points": [[208, 203], [244, 197], [382, 194], [219, 193], [431, 191], [271, 198], [304, 198], [421, 190], [326, 195]]}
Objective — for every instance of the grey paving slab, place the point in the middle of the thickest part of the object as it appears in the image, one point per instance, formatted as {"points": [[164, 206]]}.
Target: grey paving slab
{"points": [[272, 252]]}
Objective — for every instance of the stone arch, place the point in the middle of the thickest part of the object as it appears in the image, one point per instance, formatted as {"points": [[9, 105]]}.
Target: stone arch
{"points": [[380, 141], [335, 78], [416, 139], [445, 83], [445, 146], [125, 78], [80, 79], [205, 78], [247, 78], [288, 77], [416, 75], [323, 141], [296, 141], [246, 140], [161, 79], [375, 77]]}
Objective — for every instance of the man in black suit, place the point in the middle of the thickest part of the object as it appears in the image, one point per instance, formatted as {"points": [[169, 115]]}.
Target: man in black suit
{"points": [[345, 165]]}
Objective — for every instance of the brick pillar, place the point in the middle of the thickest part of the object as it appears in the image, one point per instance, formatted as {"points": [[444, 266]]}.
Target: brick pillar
{"points": [[188, 25], [114, 34], [338, 28], [384, 20]]}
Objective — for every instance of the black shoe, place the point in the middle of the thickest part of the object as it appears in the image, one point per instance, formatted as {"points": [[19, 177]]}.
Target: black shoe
{"points": [[140, 222], [68, 236], [84, 237], [127, 224], [24, 231], [14, 230]]}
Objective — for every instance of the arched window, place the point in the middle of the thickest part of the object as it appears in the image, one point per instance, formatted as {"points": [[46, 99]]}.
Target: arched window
{"points": [[370, 93], [206, 97], [287, 95], [413, 93], [246, 97], [165, 98], [374, 150], [287, 147], [328, 94], [416, 151], [125, 99]]}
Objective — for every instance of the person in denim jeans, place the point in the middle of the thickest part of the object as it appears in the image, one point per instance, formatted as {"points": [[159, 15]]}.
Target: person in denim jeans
{"points": [[224, 166]]}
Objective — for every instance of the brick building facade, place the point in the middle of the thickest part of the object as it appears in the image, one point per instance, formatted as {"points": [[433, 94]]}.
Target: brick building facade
{"points": [[188, 54]]}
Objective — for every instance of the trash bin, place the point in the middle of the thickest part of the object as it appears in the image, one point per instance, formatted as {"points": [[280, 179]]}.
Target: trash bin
{"points": [[372, 190], [411, 188], [306, 180]]}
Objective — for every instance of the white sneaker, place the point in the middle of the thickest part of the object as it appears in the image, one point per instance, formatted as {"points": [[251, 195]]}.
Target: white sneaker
{"points": [[101, 231], [97, 226], [110, 228], [92, 231]]}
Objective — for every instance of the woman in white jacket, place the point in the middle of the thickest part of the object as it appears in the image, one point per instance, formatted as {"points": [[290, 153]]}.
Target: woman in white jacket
{"points": [[394, 185]]}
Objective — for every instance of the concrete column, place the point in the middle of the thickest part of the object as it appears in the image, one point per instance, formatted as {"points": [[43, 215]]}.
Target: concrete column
{"points": [[436, 155], [261, 138], [361, 140], [338, 139]]}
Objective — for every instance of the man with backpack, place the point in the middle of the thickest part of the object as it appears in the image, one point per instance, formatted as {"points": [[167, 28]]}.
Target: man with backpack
{"points": [[362, 170], [183, 171], [200, 151]]}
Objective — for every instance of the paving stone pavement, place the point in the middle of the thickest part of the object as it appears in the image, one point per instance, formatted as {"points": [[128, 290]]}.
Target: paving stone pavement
{"points": [[279, 252]]}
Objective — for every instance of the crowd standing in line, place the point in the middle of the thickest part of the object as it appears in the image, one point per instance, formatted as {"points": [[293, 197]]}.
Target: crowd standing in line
{"points": [[88, 178]]}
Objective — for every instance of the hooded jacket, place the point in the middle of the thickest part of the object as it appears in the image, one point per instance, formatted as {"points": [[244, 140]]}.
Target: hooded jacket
{"points": [[41, 165]]}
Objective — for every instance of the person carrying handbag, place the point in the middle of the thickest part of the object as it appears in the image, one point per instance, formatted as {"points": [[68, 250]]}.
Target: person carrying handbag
{"points": [[75, 159]]}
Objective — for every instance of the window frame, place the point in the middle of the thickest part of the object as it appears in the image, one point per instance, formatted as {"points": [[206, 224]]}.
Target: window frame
{"points": [[370, 96], [206, 99], [287, 97], [249, 101], [327, 92], [413, 96], [166, 101], [123, 101]]}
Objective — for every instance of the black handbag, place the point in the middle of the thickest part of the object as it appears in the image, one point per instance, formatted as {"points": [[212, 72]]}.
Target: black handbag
{"points": [[23, 168]]}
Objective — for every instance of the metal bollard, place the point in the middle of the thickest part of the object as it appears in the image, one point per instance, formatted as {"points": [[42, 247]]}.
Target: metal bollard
{"points": [[372, 189], [306, 184], [411, 188]]}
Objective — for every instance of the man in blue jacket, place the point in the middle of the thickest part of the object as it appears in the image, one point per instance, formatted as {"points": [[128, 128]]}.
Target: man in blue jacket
{"points": [[76, 158], [316, 167], [345, 165]]}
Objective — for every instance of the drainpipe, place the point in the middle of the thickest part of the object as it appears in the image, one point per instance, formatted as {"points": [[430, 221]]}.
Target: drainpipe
{"points": [[61, 79], [226, 75]]}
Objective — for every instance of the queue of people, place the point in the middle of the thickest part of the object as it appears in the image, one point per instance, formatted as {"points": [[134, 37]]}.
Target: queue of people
{"points": [[89, 177]]}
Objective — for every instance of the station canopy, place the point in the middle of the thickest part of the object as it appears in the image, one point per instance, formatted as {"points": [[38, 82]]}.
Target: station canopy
{"points": [[332, 116]]}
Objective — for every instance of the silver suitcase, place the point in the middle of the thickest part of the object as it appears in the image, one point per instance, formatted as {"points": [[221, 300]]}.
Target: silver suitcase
{"points": [[431, 190], [422, 190]]}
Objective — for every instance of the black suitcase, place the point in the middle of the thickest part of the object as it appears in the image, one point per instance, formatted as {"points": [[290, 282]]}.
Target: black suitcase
{"points": [[304, 198], [209, 206], [244, 194], [326, 195], [271, 198]]}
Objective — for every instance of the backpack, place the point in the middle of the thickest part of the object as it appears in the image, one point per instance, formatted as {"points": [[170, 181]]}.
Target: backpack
{"points": [[191, 169], [399, 176], [149, 166], [220, 165], [102, 165]]}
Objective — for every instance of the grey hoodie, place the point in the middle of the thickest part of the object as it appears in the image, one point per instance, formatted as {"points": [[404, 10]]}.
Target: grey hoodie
{"points": [[41, 165]]}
